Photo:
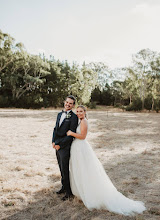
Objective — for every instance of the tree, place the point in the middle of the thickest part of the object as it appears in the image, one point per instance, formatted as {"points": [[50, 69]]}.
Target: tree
{"points": [[130, 85], [155, 82], [142, 67], [7, 48], [117, 92], [88, 83], [20, 72], [104, 74]]}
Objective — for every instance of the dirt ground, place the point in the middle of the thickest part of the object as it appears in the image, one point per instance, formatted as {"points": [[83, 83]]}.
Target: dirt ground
{"points": [[126, 143]]}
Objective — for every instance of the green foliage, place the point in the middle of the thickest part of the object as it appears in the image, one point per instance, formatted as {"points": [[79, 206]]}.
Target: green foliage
{"points": [[32, 81], [4, 102], [148, 103], [20, 72], [96, 96], [136, 105], [157, 105], [91, 105], [103, 74], [103, 97]]}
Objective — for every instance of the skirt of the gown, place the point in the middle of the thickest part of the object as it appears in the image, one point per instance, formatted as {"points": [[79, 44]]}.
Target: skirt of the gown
{"points": [[90, 183]]}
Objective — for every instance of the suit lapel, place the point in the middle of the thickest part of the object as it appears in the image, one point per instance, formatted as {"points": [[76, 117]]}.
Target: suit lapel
{"points": [[59, 119]]}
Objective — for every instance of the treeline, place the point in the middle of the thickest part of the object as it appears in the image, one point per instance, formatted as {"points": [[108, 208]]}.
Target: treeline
{"points": [[141, 87], [28, 80], [34, 81]]}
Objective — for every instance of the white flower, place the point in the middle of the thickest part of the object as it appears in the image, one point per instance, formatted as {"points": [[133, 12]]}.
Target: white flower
{"points": [[68, 115]]}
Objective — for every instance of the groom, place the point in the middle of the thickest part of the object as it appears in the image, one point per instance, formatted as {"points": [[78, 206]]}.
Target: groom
{"points": [[66, 120]]}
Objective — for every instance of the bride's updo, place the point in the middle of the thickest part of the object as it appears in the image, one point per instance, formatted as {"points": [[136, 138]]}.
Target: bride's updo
{"points": [[84, 108]]}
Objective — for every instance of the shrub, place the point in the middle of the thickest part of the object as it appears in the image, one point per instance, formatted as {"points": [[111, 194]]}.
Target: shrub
{"points": [[91, 105], [157, 105], [136, 105], [4, 101], [148, 103], [118, 105]]}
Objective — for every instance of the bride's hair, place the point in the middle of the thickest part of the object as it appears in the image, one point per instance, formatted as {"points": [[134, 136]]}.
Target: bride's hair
{"points": [[84, 108]]}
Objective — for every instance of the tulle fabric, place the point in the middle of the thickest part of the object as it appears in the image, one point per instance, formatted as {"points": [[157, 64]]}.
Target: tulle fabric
{"points": [[90, 183]]}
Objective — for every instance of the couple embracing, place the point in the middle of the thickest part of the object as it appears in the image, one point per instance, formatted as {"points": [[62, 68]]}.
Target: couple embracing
{"points": [[82, 174]]}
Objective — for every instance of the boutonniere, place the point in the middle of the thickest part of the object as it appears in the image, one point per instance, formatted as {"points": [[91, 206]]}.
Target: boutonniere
{"points": [[68, 115]]}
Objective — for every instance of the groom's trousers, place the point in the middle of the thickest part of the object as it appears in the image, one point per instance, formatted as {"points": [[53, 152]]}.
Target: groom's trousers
{"points": [[63, 156]]}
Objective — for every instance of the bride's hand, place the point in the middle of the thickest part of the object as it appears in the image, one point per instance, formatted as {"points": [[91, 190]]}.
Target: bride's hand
{"points": [[69, 133]]}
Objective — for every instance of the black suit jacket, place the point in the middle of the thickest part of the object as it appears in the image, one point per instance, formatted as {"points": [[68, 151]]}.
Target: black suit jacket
{"points": [[60, 132]]}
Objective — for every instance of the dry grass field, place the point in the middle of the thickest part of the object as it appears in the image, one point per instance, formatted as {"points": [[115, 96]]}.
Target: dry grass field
{"points": [[127, 144]]}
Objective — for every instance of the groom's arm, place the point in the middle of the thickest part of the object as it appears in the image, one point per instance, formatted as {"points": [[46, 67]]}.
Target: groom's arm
{"points": [[54, 130], [68, 139], [53, 136]]}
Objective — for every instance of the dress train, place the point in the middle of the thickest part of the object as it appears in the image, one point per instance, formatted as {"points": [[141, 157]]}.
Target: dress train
{"points": [[91, 184]]}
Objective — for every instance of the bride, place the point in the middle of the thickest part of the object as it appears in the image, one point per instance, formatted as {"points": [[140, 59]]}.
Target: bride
{"points": [[88, 179]]}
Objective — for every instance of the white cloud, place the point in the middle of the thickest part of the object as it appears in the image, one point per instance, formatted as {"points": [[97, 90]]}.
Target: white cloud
{"points": [[148, 11]]}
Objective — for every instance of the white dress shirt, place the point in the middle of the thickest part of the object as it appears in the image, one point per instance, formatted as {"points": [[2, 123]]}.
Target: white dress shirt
{"points": [[63, 117]]}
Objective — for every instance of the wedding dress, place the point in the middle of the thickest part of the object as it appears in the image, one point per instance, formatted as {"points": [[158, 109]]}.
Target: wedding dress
{"points": [[90, 183]]}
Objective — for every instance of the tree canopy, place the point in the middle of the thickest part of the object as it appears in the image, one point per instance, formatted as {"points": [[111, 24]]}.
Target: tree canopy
{"points": [[34, 81]]}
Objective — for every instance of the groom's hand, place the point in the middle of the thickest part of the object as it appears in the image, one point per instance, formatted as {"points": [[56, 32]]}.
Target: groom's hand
{"points": [[57, 147], [53, 144]]}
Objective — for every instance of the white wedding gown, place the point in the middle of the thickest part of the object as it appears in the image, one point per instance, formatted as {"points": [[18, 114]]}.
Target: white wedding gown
{"points": [[90, 183]]}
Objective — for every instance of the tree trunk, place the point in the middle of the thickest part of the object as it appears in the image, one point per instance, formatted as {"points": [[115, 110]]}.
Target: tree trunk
{"points": [[115, 101], [130, 99], [142, 102], [152, 103]]}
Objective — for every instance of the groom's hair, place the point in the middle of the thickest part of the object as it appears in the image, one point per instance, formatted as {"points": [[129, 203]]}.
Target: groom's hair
{"points": [[72, 97]]}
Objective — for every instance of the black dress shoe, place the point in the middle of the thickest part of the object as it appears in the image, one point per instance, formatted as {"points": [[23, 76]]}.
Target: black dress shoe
{"points": [[68, 197], [61, 191]]}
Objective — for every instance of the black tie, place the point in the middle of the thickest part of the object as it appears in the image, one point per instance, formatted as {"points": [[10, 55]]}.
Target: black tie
{"points": [[64, 111]]}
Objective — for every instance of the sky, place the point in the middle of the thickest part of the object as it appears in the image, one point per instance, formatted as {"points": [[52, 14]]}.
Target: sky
{"points": [[107, 31]]}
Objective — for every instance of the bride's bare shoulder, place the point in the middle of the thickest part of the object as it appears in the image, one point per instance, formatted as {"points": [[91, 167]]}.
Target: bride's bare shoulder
{"points": [[84, 122]]}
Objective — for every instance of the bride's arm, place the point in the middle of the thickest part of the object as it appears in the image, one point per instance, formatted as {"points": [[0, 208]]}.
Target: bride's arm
{"points": [[82, 135]]}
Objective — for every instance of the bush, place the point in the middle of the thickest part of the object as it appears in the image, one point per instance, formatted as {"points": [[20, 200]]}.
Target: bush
{"points": [[91, 105], [136, 105], [148, 103], [4, 101], [118, 105], [123, 107], [157, 105]]}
